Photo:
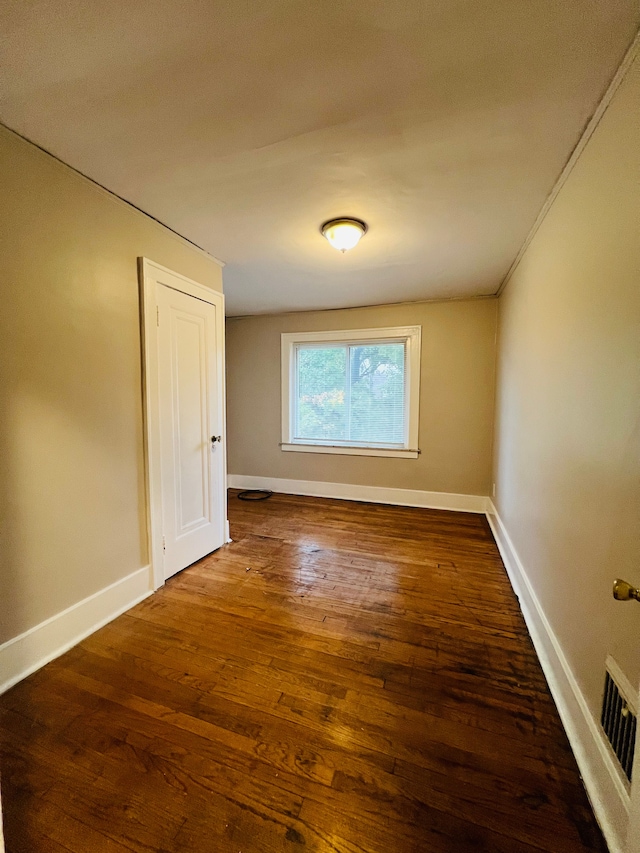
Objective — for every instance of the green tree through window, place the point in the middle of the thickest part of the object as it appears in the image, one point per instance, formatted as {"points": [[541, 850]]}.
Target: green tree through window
{"points": [[321, 393], [351, 393]]}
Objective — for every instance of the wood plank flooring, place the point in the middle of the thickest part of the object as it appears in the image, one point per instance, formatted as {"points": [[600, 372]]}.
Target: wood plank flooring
{"points": [[343, 677]]}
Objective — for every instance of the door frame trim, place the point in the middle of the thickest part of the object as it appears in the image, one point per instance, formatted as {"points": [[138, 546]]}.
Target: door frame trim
{"points": [[150, 274]]}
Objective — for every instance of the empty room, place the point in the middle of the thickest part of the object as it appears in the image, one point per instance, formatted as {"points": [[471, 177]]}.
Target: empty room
{"points": [[320, 426]]}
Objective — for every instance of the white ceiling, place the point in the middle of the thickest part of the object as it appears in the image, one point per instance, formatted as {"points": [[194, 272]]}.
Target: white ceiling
{"points": [[244, 124]]}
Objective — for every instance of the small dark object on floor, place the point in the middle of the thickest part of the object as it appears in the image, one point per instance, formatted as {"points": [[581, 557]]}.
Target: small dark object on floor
{"points": [[254, 495]]}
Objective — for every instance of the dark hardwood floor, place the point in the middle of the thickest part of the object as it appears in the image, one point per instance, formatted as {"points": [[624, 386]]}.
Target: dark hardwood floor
{"points": [[343, 677]]}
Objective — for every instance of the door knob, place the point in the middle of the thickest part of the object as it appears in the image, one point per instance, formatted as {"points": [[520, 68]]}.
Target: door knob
{"points": [[215, 438], [623, 591]]}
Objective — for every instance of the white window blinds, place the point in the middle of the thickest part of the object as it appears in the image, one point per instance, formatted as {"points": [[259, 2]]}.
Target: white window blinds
{"points": [[351, 393]]}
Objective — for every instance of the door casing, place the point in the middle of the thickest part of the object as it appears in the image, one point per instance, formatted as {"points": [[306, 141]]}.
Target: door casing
{"points": [[151, 274], [633, 829]]}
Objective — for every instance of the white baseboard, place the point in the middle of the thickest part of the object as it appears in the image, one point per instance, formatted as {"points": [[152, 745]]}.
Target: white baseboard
{"points": [[28, 652], [368, 494], [602, 779]]}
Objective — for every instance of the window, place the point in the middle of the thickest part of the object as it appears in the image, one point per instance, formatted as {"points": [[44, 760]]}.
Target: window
{"points": [[353, 392]]}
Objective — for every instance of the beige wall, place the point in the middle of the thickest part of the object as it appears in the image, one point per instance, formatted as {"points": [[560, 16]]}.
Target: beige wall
{"points": [[72, 506], [568, 403], [456, 398]]}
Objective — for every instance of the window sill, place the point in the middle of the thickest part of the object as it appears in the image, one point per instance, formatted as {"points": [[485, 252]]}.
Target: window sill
{"points": [[351, 451]]}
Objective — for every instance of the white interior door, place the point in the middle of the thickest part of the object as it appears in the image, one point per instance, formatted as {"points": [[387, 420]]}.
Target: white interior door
{"points": [[190, 428], [184, 382]]}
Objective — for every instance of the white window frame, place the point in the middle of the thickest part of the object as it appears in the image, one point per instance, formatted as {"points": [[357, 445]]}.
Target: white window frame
{"points": [[409, 335]]}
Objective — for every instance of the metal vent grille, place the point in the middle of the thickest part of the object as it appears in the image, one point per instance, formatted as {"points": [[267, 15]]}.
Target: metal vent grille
{"points": [[619, 723]]}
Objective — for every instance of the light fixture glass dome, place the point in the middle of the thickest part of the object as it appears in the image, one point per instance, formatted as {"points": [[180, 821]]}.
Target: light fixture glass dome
{"points": [[344, 234]]}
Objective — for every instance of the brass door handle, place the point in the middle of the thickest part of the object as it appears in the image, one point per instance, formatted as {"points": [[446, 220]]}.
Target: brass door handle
{"points": [[623, 591]]}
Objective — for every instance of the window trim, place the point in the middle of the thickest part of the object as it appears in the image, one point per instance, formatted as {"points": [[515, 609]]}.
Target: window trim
{"points": [[412, 335]]}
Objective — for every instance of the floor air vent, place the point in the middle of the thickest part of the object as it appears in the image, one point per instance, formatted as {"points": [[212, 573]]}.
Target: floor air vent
{"points": [[619, 721]]}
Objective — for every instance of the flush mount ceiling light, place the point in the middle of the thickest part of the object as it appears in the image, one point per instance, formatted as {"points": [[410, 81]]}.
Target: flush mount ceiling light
{"points": [[343, 233]]}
